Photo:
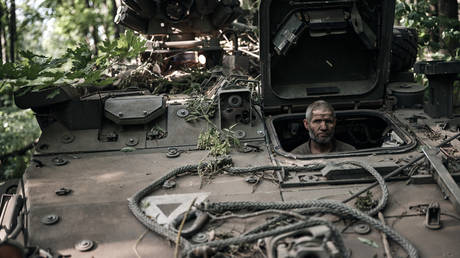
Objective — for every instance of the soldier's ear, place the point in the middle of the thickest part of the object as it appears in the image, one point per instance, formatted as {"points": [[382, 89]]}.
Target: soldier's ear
{"points": [[306, 124]]}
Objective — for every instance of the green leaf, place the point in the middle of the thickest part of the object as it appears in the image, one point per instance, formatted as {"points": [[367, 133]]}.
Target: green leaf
{"points": [[10, 71], [105, 82], [368, 242], [29, 55]]}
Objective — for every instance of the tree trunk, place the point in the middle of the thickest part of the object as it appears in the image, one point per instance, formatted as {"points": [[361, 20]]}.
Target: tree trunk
{"points": [[449, 9], [5, 41], [12, 29], [93, 30], [434, 12], [114, 13], [1, 29]]}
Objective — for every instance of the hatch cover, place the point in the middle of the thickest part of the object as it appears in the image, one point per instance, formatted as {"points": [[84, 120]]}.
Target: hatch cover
{"points": [[130, 110]]}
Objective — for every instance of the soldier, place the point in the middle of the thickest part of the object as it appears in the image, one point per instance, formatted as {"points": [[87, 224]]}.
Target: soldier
{"points": [[320, 123]]}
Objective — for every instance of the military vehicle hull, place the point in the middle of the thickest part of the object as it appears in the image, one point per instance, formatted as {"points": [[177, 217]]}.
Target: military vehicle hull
{"points": [[101, 182]]}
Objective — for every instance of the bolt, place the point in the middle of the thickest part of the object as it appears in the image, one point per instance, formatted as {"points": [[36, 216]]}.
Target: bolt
{"points": [[50, 219], [173, 153], [145, 112], [84, 245], [131, 140], [120, 114]]}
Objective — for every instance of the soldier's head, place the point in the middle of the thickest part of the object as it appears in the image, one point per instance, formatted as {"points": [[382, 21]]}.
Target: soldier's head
{"points": [[320, 121]]}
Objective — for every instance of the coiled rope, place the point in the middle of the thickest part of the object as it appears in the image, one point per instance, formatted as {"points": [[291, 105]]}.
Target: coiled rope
{"points": [[315, 206]]}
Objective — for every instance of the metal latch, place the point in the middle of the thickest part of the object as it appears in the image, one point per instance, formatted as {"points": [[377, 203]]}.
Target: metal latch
{"points": [[433, 216], [443, 178], [199, 220]]}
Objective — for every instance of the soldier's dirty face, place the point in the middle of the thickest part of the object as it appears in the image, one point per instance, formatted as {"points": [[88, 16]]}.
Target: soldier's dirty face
{"points": [[321, 127]]}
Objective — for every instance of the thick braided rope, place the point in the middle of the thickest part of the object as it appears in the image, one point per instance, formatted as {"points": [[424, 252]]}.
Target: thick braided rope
{"points": [[133, 201], [266, 225], [324, 206], [347, 211], [237, 170], [133, 204], [279, 230], [382, 203], [383, 187]]}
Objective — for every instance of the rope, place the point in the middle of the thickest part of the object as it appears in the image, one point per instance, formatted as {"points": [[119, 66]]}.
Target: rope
{"points": [[307, 207], [318, 206], [383, 187], [280, 230]]}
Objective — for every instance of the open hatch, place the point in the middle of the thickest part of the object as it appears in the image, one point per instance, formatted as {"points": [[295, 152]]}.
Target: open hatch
{"points": [[336, 51], [369, 131], [333, 50]]}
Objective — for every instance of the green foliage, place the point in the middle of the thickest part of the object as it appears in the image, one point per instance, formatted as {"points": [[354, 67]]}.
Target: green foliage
{"points": [[201, 108], [128, 46], [73, 22], [251, 5], [30, 27], [217, 142], [190, 83], [78, 67], [366, 203], [32, 72], [18, 128], [435, 32]]}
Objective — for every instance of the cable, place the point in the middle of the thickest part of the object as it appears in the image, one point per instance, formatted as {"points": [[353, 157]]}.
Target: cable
{"points": [[309, 207]]}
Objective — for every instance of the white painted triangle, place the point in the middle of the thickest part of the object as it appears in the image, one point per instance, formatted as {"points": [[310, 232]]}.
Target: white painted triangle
{"points": [[149, 205]]}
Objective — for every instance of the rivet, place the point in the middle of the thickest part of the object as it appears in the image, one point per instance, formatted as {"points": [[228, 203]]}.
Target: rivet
{"points": [[84, 245], [50, 219]]}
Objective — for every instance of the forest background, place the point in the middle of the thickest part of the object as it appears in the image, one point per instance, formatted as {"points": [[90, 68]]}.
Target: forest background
{"points": [[53, 30]]}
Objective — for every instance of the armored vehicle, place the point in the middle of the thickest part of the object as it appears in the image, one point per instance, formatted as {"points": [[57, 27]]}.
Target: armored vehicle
{"points": [[126, 173]]}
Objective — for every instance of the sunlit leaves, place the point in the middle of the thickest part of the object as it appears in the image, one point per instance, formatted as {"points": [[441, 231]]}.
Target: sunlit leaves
{"points": [[77, 67], [17, 129], [80, 56], [127, 46], [435, 32]]}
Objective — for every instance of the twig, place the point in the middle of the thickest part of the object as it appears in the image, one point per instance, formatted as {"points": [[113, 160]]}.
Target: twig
{"points": [[176, 251], [386, 244], [138, 241]]}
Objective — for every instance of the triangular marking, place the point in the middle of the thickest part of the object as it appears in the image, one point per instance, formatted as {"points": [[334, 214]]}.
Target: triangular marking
{"points": [[151, 205], [168, 208]]}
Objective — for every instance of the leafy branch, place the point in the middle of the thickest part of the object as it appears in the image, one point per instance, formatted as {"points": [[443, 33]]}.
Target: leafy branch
{"points": [[77, 67], [435, 32], [217, 142]]}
